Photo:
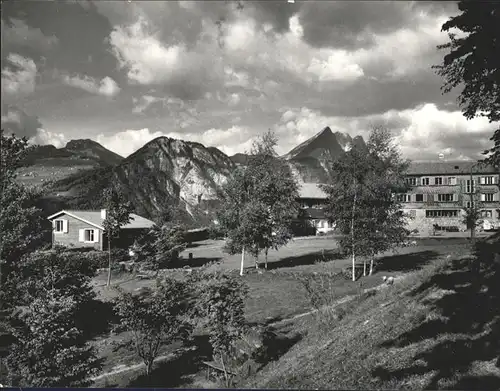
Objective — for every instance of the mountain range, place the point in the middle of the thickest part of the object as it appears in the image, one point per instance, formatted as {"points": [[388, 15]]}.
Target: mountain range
{"points": [[168, 172]]}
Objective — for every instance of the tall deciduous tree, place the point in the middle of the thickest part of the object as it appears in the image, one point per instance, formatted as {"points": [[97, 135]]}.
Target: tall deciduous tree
{"points": [[361, 198], [259, 202], [118, 211], [155, 319], [473, 63]]}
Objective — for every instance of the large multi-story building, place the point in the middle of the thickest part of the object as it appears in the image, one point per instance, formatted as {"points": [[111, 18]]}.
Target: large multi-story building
{"points": [[436, 200], [441, 190]]}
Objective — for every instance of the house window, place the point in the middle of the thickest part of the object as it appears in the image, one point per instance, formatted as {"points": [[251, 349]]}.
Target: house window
{"points": [[425, 181], [441, 213], [411, 181], [445, 197], [487, 213], [419, 197], [488, 180], [59, 226], [487, 197], [88, 235], [468, 187], [438, 180], [468, 204], [404, 197], [452, 180]]}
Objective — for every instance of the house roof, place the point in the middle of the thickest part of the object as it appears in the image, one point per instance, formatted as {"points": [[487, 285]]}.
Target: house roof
{"points": [[449, 168], [311, 190], [94, 218]]}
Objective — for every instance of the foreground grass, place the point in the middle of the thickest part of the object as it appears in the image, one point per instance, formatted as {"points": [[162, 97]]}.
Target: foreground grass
{"points": [[439, 328]]}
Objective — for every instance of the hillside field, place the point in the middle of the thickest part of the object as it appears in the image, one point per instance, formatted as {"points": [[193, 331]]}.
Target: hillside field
{"points": [[277, 299]]}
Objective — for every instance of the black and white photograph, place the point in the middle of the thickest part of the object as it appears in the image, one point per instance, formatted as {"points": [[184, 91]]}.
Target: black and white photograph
{"points": [[250, 194]]}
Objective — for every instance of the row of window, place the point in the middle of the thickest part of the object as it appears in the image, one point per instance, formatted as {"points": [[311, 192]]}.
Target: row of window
{"points": [[85, 235], [441, 213], [427, 181], [451, 213], [485, 197]]}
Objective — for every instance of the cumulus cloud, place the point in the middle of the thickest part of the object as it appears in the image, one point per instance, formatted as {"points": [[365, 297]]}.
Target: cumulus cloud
{"points": [[45, 137], [19, 76], [336, 66], [106, 86], [180, 70], [147, 59]]}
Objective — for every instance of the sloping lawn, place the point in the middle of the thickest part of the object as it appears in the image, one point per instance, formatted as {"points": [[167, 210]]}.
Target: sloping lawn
{"points": [[439, 329]]}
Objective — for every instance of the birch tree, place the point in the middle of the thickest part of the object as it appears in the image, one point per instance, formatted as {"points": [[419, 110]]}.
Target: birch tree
{"points": [[259, 203], [362, 199]]}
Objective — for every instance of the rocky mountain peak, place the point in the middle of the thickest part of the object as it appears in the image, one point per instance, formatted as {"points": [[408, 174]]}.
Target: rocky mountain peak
{"points": [[316, 146]]}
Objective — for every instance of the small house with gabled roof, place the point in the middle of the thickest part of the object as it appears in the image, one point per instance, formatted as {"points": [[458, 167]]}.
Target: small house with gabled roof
{"points": [[84, 229]]}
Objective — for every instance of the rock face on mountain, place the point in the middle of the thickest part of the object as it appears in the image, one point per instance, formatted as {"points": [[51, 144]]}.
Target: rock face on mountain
{"points": [[182, 171], [308, 160], [163, 173]]}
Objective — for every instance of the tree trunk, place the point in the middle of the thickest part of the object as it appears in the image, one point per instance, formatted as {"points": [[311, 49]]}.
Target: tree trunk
{"points": [[242, 260], [109, 262], [371, 265], [352, 234], [267, 249], [149, 368], [257, 261], [364, 267], [353, 266]]}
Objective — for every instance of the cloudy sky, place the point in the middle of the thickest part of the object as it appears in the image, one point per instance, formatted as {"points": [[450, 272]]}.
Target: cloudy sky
{"points": [[123, 73]]}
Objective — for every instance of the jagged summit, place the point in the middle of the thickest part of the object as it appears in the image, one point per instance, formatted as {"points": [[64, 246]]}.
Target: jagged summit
{"points": [[325, 141]]}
